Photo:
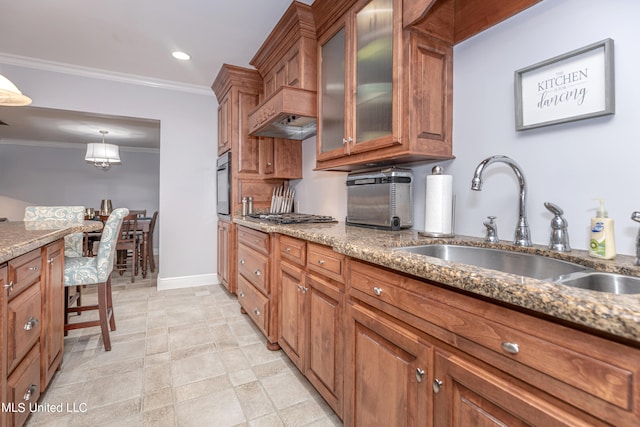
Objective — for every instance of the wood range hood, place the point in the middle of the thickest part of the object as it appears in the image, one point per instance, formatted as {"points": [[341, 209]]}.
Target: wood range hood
{"points": [[287, 63]]}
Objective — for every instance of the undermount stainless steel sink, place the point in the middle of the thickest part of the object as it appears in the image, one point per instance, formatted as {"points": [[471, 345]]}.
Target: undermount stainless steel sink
{"points": [[528, 265], [603, 282]]}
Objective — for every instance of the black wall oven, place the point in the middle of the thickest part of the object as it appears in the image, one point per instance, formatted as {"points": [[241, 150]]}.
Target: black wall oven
{"points": [[223, 179]]}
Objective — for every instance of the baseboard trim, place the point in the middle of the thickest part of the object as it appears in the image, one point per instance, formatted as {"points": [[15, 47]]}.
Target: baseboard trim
{"points": [[167, 283]]}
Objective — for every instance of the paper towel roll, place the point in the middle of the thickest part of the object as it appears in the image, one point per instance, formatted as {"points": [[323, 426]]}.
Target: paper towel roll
{"points": [[438, 211]]}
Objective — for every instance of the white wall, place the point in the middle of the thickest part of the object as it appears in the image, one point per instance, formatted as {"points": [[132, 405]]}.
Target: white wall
{"points": [[187, 221], [567, 164]]}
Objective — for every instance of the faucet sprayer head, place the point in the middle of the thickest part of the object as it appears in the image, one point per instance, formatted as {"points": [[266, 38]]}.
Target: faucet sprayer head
{"points": [[476, 183]]}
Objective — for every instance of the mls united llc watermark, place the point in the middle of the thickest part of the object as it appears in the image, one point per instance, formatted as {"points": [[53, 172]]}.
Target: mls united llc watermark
{"points": [[21, 407]]}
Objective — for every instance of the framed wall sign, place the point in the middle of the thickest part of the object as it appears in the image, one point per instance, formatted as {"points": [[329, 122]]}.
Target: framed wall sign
{"points": [[574, 86]]}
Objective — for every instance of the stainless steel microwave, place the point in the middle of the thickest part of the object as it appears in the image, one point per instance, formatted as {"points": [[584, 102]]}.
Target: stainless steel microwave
{"points": [[223, 179]]}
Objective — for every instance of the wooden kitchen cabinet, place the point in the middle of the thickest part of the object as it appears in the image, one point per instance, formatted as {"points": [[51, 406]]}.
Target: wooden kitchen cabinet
{"points": [[227, 254], [310, 314], [387, 382], [255, 293], [385, 90], [52, 341], [22, 326], [469, 395], [257, 164], [291, 311], [496, 363]]}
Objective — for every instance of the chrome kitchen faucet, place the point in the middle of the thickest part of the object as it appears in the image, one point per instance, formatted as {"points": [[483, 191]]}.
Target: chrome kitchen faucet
{"points": [[522, 237]]}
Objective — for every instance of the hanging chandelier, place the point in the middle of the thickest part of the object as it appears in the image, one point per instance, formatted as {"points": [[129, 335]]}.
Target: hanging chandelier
{"points": [[102, 155], [10, 95]]}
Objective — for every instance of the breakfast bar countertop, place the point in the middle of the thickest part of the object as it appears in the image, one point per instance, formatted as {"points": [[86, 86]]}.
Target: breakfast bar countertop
{"points": [[615, 315], [20, 237]]}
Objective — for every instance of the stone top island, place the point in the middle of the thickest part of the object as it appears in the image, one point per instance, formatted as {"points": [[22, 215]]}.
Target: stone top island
{"points": [[20, 237]]}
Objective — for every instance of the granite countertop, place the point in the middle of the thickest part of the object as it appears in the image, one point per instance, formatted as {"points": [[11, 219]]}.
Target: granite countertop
{"points": [[20, 237], [617, 315]]}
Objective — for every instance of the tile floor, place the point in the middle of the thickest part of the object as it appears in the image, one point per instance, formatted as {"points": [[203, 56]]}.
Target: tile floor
{"points": [[179, 358]]}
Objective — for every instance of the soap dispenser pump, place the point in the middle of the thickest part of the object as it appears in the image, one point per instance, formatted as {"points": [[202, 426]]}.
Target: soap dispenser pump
{"points": [[602, 243]]}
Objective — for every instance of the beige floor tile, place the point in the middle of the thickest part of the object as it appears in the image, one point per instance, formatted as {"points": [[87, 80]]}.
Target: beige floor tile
{"points": [[221, 409], [184, 357]]}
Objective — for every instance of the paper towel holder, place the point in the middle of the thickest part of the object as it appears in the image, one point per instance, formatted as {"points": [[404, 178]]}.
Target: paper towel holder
{"points": [[453, 225], [438, 170]]}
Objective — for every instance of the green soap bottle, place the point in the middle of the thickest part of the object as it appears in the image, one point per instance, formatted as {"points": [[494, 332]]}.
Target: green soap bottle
{"points": [[602, 243]]}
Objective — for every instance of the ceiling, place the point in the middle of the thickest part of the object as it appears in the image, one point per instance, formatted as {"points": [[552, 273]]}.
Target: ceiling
{"points": [[123, 38]]}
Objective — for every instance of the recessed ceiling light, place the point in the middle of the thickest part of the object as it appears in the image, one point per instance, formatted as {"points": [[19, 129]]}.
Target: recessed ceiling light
{"points": [[181, 55]]}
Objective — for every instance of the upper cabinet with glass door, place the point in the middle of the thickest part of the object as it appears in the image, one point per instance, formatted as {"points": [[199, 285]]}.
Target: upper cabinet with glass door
{"points": [[384, 88]]}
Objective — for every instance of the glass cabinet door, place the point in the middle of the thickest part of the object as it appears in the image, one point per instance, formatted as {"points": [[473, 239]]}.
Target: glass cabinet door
{"points": [[374, 71], [332, 86]]}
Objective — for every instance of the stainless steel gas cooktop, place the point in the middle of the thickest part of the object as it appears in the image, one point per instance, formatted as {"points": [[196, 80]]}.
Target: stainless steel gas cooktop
{"points": [[291, 218]]}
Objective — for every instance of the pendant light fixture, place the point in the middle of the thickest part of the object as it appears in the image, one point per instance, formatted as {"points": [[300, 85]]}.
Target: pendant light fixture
{"points": [[102, 155], [10, 95]]}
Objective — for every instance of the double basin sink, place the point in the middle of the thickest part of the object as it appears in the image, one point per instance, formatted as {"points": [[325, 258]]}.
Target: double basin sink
{"points": [[533, 266]]}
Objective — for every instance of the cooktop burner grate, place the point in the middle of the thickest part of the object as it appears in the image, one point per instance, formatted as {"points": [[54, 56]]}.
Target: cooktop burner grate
{"points": [[292, 218]]}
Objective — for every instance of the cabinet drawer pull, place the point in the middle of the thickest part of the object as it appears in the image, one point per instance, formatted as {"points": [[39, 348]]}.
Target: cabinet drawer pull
{"points": [[257, 272], [241, 260], [287, 249], [437, 385], [377, 291], [33, 269], [241, 294], [9, 286], [256, 312], [30, 391], [50, 260], [511, 347], [268, 163], [31, 323], [320, 261], [419, 374]]}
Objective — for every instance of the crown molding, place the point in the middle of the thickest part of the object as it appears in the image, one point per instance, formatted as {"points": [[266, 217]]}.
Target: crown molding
{"points": [[40, 64], [72, 145]]}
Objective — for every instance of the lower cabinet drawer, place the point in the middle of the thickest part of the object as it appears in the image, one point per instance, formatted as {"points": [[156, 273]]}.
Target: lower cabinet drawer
{"points": [[324, 260], [24, 270], [255, 304], [24, 314], [23, 388], [254, 267]]}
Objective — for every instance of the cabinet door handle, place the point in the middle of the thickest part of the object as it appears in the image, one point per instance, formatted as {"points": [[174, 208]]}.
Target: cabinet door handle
{"points": [[31, 323], [511, 347], [268, 163], [50, 260], [257, 272], [33, 268], [9, 286], [437, 385], [30, 391], [241, 294], [287, 249], [377, 291], [321, 261], [419, 374], [241, 260], [256, 312], [304, 289]]}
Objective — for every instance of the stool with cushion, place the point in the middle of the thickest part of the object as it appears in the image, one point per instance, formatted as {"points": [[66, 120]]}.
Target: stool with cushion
{"points": [[96, 271], [73, 243]]}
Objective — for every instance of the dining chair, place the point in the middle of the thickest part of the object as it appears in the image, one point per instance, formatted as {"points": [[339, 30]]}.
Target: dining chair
{"points": [[150, 261], [96, 271], [127, 246], [140, 213]]}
